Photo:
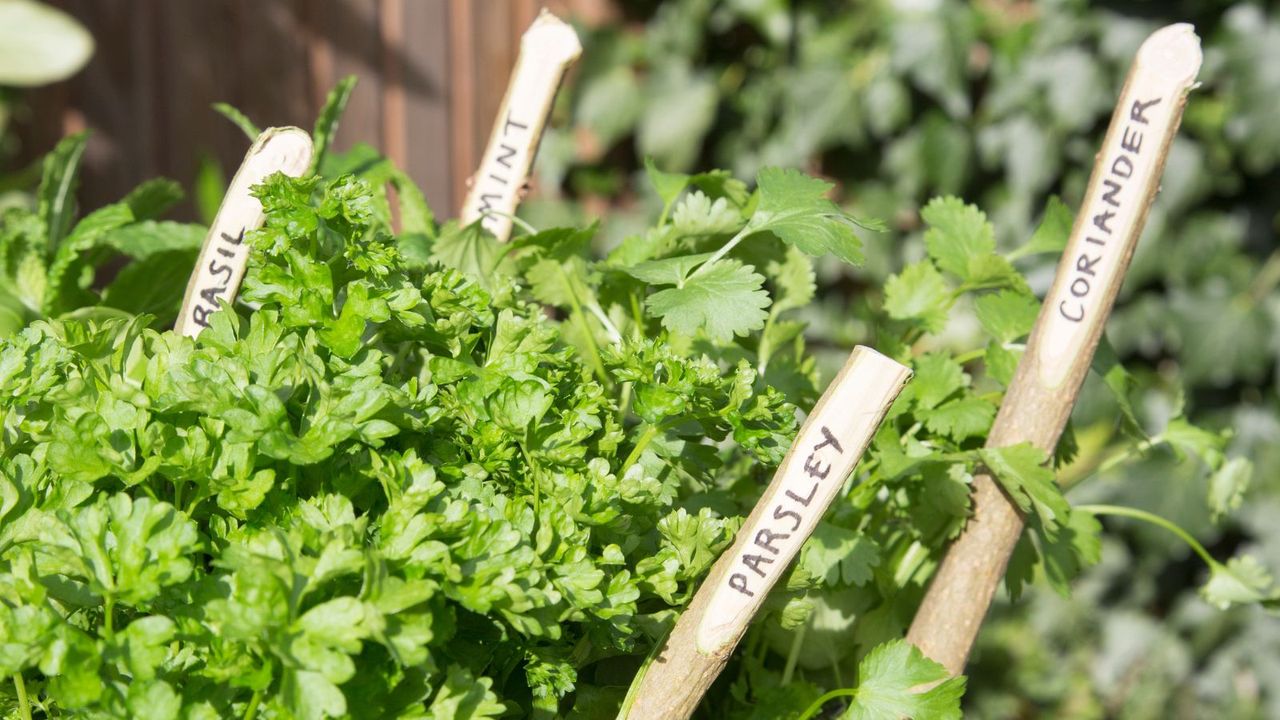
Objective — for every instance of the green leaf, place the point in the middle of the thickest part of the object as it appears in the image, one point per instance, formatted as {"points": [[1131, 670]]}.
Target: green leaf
{"points": [[1053, 232], [727, 299], [794, 207], [152, 198], [839, 556], [1007, 315], [1227, 486], [239, 119], [464, 697], [471, 250], [40, 44], [961, 419], [890, 678], [958, 237], [153, 285], [56, 194], [144, 239], [327, 123], [920, 294], [667, 185], [1023, 472], [668, 271], [1117, 379], [795, 281], [1242, 581]]}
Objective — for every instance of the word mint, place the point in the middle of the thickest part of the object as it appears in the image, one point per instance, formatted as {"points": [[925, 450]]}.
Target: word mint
{"points": [[547, 49]]}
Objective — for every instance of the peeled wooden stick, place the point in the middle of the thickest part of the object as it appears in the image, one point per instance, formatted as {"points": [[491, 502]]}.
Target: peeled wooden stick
{"points": [[547, 50], [825, 451], [1125, 179], [224, 256]]}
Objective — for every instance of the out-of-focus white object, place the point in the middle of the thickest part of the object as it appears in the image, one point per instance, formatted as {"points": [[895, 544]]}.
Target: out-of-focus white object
{"points": [[40, 44]]}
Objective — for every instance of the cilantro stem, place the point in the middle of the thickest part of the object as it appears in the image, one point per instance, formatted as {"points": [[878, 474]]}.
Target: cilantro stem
{"points": [[724, 250], [24, 705], [816, 705], [590, 338], [793, 656], [1136, 514]]}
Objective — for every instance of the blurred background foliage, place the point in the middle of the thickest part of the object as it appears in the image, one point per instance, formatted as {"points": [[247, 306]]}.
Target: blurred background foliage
{"points": [[1004, 103]]}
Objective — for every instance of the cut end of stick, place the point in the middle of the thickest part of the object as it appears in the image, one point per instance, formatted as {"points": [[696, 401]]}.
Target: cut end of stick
{"points": [[551, 39], [287, 149], [1174, 52]]}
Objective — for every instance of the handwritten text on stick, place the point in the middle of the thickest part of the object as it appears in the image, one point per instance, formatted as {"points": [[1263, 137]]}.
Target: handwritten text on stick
{"points": [[224, 255]]}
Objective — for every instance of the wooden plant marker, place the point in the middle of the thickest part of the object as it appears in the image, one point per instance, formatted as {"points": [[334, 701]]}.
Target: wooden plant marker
{"points": [[547, 50], [224, 256], [825, 451], [1124, 182]]}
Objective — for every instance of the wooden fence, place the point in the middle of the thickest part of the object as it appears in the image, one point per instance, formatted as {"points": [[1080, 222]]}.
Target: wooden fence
{"points": [[432, 75]]}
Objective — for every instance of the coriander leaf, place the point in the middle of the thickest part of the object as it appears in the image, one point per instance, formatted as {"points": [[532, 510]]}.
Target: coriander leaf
{"points": [[1117, 379], [470, 249], [794, 207], [697, 214], [936, 377], [840, 556], [958, 235], [794, 279], [1022, 471], [667, 185], [960, 419], [918, 293], [1187, 439], [1227, 486], [888, 680], [727, 299], [1076, 546], [1053, 232], [1242, 581], [1007, 315], [668, 271]]}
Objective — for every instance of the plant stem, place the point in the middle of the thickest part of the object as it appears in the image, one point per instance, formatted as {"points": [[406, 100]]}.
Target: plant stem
{"points": [[793, 656], [1154, 519], [108, 617], [24, 705], [724, 250], [252, 710], [645, 438], [816, 705]]}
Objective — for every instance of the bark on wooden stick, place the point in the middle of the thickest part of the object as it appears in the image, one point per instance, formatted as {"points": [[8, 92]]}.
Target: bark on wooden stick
{"points": [[825, 451], [1125, 179], [224, 256], [547, 50]]}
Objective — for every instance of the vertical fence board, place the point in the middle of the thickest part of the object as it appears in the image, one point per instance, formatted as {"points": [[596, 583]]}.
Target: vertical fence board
{"points": [[426, 79], [432, 76]]}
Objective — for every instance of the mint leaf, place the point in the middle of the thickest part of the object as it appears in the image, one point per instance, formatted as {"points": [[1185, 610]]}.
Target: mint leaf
{"points": [[727, 299], [794, 207]]}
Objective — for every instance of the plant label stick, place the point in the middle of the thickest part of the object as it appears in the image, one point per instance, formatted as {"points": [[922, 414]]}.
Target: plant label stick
{"points": [[547, 50], [1125, 179], [224, 256], [825, 451]]}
